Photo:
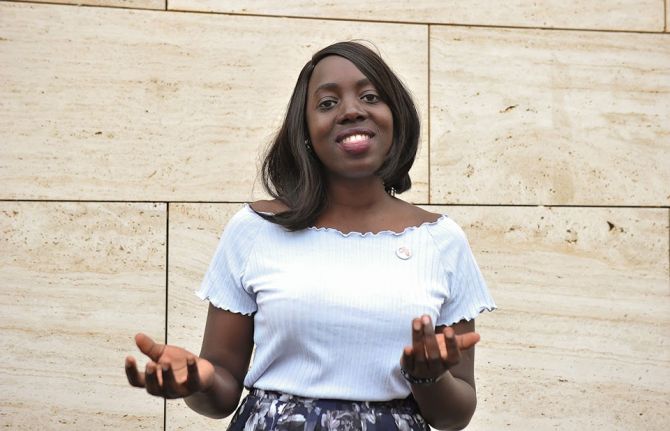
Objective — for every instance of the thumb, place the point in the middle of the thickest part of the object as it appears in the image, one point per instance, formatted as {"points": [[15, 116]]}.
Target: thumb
{"points": [[149, 347], [467, 340]]}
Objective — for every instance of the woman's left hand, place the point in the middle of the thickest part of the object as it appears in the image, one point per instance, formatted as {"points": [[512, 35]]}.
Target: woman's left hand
{"points": [[431, 355]]}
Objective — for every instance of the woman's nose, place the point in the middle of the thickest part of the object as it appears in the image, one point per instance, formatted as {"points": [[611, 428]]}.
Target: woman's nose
{"points": [[351, 110]]}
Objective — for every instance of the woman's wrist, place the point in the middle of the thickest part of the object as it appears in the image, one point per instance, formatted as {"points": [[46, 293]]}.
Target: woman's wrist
{"points": [[421, 381]]}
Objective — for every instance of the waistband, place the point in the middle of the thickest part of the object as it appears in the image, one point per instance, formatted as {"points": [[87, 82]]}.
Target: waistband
{"points": [[405, 404], [264, 410]]}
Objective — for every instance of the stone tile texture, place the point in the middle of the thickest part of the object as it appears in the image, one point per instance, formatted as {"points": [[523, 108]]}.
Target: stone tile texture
{"points": [[139, 4], [77, 281], [628, 15], [576, 118]]}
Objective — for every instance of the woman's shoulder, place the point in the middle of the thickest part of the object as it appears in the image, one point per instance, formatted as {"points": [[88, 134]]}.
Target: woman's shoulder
{"points": [[425, 216], [273, 206], [412, 215]]}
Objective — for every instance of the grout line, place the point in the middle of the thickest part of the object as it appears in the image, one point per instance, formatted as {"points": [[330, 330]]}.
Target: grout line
{"points": [[259, 15], [456, 204], [460, 204], [430, 171], [446, 24], [166, 5], [167, 268], [105, 6]]}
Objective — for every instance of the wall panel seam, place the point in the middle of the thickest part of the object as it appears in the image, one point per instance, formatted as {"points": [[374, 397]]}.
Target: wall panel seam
{"points": [[428, 136], [461, 204], [485, 26], [102, 6], [382, 21], [429, 23], [167, 272]]}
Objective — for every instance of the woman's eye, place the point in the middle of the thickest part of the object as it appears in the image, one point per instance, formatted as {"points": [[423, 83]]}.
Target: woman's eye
{"points": [[326, 104], [370, 98]]}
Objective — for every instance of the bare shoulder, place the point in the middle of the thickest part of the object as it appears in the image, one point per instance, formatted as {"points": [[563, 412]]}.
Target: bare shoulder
{"points": [[417, 215], [273, 206], [426, 216]]}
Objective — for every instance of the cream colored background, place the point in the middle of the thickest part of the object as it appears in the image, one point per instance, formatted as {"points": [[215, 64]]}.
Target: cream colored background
{"points": [[130, 131]]}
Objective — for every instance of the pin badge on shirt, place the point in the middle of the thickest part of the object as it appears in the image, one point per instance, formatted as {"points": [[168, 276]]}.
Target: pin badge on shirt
{"points": [[403, 253]]}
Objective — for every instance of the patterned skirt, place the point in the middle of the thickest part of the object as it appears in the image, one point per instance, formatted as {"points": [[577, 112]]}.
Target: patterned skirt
{"points": [[274, 411]]}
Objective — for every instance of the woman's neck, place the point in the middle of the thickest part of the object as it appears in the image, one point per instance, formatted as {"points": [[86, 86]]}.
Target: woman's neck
{"points": [[356, 195], [357, 205]]}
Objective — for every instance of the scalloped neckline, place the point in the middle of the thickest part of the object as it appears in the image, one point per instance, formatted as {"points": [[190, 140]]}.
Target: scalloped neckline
{"points": [[405, 231], [366, 234]]}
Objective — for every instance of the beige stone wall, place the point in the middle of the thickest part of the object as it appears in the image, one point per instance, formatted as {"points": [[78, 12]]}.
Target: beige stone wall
{"points": [[130, 131]]}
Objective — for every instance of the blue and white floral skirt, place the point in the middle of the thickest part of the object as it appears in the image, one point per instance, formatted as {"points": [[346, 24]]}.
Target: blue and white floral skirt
{"points": [[274, 411]]}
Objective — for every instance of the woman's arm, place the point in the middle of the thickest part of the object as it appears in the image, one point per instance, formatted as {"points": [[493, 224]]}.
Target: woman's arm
{"points": [[227, 344], [449, 403], [211, 384]]}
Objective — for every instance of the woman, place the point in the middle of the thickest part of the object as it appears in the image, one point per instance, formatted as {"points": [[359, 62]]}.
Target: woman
{"points": [[361, 306]]}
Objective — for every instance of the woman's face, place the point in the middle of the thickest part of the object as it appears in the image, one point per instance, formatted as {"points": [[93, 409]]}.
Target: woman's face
{"points": [[350, 127]]}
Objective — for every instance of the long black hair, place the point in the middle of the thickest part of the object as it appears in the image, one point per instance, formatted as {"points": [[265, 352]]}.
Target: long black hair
{"points": [[292, 174]]}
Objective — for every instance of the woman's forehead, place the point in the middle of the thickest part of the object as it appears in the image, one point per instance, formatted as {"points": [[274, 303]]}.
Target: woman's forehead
{"points": [[335, 71]]}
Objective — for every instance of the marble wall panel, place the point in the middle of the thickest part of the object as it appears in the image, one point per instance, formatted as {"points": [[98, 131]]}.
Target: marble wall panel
{"points": [[644, 15], [77, 281], [117, 104], [139, 4], [581, 337], [549, 117], [194, 234]]}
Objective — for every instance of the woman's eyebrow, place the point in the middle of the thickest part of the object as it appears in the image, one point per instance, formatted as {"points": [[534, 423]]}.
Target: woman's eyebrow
{"points": [[334, 86]]}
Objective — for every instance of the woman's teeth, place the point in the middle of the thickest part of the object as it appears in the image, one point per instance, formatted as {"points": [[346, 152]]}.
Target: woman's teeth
{"points": [[354, 138]]}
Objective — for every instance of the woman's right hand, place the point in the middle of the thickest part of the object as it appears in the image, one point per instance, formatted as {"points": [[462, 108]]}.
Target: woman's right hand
{"points": [[172, 372]]}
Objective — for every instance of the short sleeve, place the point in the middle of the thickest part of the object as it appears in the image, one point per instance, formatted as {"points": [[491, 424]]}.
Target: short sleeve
{"points": [[467, 293], [223, 284]]}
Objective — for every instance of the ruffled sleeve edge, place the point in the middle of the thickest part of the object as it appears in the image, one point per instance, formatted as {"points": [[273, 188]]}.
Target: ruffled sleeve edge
{"points": [[469, 315], [220, 303]]}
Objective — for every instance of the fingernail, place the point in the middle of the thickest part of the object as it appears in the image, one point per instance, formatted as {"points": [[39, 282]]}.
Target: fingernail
{"points": [[416, 325], [425, 320]]}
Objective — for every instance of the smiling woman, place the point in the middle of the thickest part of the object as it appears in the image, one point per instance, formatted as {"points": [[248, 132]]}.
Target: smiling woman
{"points": [[350, 126], [361, 306], [348, 89]]}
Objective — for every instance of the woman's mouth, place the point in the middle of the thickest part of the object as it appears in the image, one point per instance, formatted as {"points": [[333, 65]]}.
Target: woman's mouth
{"points": [[356, 143]]}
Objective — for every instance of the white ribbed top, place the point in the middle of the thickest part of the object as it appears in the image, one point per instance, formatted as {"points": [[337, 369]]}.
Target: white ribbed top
{"points": [[333, 311]]}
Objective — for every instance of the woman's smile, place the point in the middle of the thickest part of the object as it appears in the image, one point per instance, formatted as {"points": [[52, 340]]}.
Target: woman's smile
{"points": [[350, 126], [355, 141]]}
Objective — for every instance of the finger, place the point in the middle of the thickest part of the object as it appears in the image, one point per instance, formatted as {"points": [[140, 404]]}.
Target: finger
{"points": [[418, 347], [467, 340], [407, 358], [193, 377], [135, 378], [151, 378], [453, 354], [149, 347], [430, 342], [170, 386]]}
